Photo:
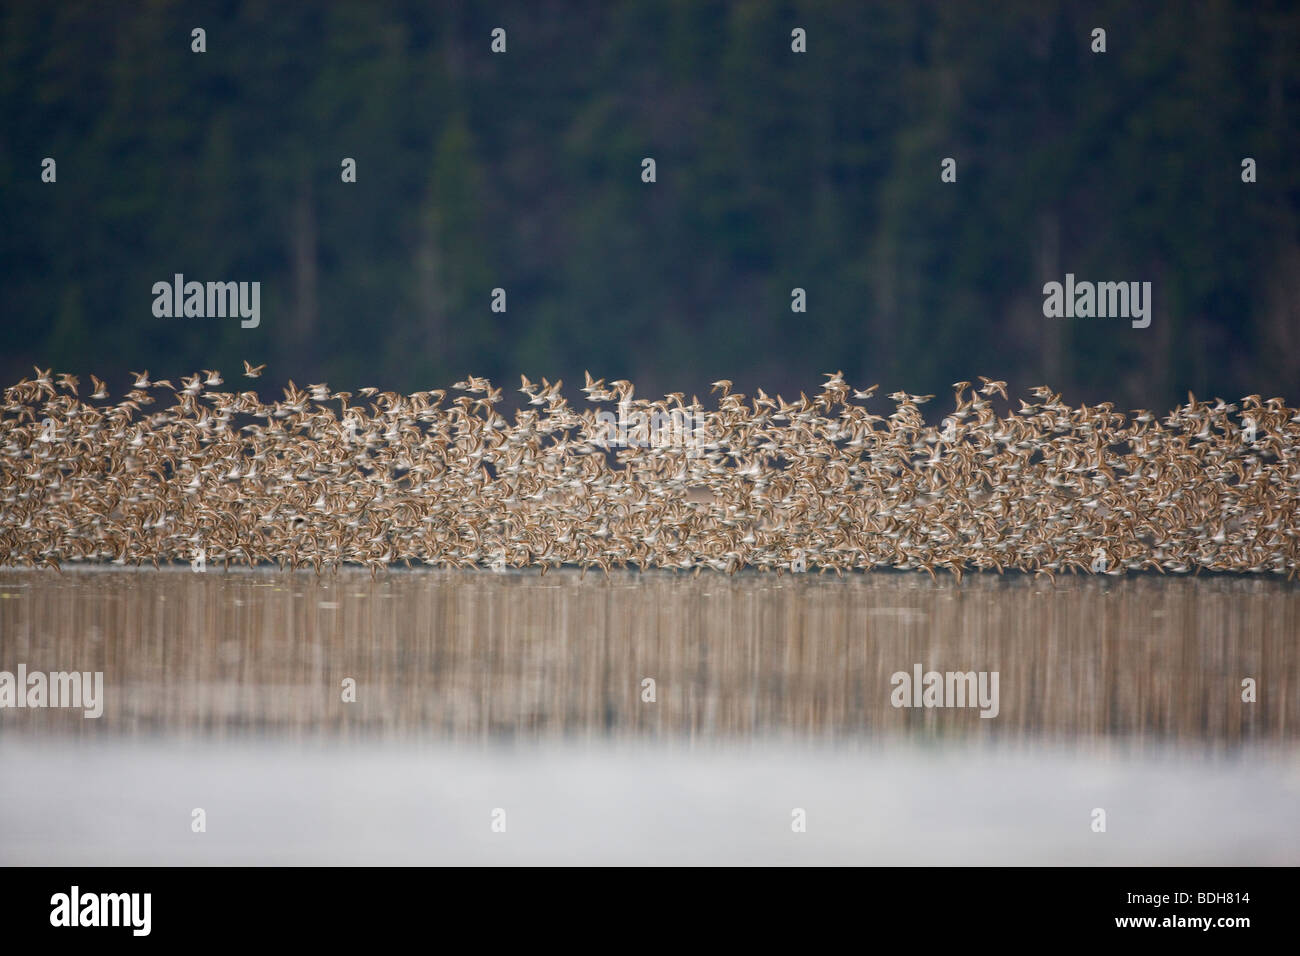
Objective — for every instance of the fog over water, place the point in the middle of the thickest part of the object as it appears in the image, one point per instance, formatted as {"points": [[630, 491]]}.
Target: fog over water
{"points": [[478, 692]]}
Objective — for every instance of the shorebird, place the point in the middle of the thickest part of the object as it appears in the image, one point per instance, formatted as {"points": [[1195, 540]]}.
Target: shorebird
{"points": [[817, 483]]}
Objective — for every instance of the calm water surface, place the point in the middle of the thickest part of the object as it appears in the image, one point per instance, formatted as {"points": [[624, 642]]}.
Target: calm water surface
{"points": [[484, 691]]}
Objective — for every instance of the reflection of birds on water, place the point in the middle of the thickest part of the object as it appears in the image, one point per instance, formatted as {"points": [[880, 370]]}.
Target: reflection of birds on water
{"points": [[818, 483]]}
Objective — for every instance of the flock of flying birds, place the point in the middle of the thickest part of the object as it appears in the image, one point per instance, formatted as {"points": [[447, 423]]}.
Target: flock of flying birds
{"points": [[321, 478]]}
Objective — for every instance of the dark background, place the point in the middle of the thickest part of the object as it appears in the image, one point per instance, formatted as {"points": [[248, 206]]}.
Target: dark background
{"points": [[775, 170]]}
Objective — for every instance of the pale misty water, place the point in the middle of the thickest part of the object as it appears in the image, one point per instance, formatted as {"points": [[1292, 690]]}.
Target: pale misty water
{"points": [[478, 691]]}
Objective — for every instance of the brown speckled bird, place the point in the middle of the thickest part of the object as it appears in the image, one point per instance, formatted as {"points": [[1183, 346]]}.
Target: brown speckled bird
{"points": [[818, 483]]}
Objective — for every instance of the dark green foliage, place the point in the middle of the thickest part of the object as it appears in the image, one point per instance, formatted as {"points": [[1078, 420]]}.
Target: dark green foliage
{"points": [[775, 170]]}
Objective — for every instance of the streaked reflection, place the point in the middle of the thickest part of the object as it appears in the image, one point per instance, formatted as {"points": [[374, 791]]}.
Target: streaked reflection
{"points": [[464, 656]]}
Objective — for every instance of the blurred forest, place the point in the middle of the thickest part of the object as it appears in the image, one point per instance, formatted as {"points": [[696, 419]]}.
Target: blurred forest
{"points": [[775, 170]]}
